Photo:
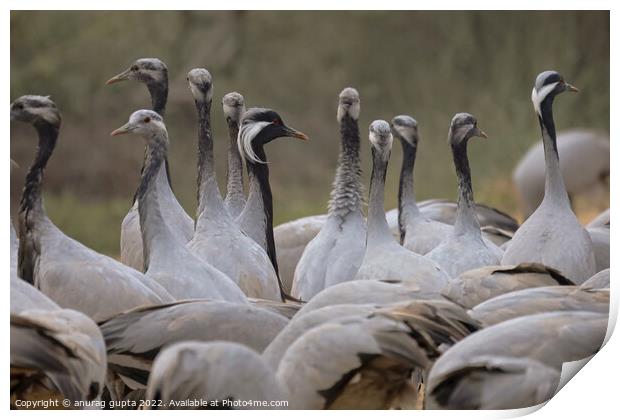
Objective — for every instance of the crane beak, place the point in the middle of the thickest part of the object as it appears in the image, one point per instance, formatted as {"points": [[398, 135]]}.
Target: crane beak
{"points": [[119, 77], [571, 88], [291, 132], [123, 130], [479, 133]]}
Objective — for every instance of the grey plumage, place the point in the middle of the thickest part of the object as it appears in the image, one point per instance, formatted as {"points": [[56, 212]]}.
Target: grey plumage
{"points": [[600, 280], [465, 248], [515, 363], [335, 254], [154, 74], [167, 259], [552, 235], [366, 292], [353, 362], [540, 299], [135, 337], [68, 272], [218, 239], [234, 107], [61, 351], [478, 285]]}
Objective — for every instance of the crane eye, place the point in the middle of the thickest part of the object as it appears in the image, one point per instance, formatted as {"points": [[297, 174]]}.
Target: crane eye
{"points": [[19, 106], [275, 122], [147, 119], [134, 68]]}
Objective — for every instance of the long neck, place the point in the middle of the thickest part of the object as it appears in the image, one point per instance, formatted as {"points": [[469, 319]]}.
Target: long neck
{"points": [[234, 176], [466, 219], [159, 95], [152, 223], [554, 182], [259, 177], [406, 196], [378, 229], [159, 98], [31, 196], [31, 209], [208, 190], [260, 192], [346, 195]]}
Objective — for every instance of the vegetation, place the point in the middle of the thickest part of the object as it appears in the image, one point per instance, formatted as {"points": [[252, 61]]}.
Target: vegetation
{"points": [[426, 64]]}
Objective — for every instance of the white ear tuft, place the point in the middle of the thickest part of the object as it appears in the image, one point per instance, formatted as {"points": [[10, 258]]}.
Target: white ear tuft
{"points": [[247, 133], [539, 96]]}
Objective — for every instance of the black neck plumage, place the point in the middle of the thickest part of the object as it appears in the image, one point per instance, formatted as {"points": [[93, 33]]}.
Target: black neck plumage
{"points": [[260, 172], [159, 98], [405, 185], [377, 223], [156, 151], [31, 204], [31, 195], [346, 195], [205, 149], [546, 122], [466, 219], [234, 174], [159, 95]]}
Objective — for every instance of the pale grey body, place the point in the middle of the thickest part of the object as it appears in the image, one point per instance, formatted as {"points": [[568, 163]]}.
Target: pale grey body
{"points": [[291, 239], [166, 257], [540, 299], [218, 239], [552, 235], [300, 324], [515, 363], [600, 237], [154, 74], [276, 350], [335, 254], [464, 248], [220, 242], [145, 331], [79, 278], [478, 285], [384, 257], [220, 372], [461, 253], [354, 362], [63, 345], [600, 280], [366, 292], [23, 295], [181, 225], [71, 274]]}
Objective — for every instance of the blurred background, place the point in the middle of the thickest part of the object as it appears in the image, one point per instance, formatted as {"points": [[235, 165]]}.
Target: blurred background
{"points": [[426, 64]]}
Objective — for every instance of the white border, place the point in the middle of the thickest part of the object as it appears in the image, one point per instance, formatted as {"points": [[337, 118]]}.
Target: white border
{"points": [[592, 394]]}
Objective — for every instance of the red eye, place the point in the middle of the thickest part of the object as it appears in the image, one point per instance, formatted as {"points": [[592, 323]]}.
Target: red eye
{"points": [[147, 119], [275, 122]]}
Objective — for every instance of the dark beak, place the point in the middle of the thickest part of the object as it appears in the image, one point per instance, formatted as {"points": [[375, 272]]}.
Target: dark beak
{"points": [[291, 132]]}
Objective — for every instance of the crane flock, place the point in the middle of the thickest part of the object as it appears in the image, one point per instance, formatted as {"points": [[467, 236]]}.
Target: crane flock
{"points": [[433, 305]]}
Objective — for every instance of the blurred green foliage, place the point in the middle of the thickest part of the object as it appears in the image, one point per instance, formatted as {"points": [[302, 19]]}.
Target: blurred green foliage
{"points": [[426, 64]]}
